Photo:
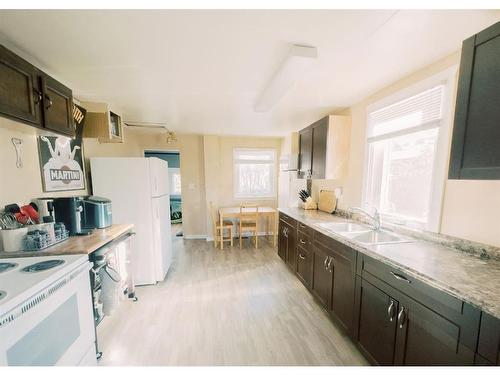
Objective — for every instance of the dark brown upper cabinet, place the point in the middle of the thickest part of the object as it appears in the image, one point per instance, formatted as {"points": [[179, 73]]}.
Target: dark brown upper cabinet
{"points": [[58, 107], [20, 95], [31, 96], [475, 151], [324, 148]]}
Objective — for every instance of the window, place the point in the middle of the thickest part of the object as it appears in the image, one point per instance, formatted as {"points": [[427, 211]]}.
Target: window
{"points": [[175, 181], [407, 144], [254, 173]]}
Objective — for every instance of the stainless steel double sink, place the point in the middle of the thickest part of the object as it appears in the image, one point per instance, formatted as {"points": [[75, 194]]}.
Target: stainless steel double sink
{"points": [[363, 234]]}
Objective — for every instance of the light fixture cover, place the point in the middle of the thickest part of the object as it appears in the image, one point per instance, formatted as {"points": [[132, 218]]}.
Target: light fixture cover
{"points": [[299, 60]]}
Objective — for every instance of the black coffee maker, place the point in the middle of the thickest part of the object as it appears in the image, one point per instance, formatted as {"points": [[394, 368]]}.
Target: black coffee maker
{"points": [[69, 210]]}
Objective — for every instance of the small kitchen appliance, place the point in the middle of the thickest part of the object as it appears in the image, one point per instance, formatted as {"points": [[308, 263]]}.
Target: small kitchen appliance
{"points": [[97, 212], [69, 210]]}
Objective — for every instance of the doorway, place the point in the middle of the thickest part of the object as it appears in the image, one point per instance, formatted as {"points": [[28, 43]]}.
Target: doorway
{"points": [[174, 176]]}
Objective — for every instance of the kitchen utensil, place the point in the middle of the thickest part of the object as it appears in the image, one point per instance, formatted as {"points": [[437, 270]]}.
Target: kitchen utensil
{"points": [[8, 221], [12, 208], [12, 239], [327, 201], [17, 145], [30, 212]]}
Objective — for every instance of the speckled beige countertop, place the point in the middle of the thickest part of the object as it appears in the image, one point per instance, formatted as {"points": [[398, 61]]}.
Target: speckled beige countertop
{"points": [[77, 244], [462, 275]]}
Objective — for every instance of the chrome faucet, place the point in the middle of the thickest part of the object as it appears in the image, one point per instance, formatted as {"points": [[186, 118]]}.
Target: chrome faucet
{"points": [[375, 218]]}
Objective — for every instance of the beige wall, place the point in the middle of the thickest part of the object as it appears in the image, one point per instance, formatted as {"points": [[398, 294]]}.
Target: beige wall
{"points": [[22, 185], [471, 209], [192, 171], [206, 167], [219, 168]]}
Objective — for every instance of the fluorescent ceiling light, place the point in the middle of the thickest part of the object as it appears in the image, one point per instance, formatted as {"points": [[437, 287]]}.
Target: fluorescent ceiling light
{"points": [[299, 60]]}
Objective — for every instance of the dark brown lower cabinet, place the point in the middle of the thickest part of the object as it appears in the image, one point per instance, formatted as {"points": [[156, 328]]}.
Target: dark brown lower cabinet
{"points": [[426, 338], [287, 244], [394, 318], [376, 329], [395, 329], [282, 240], [344, 271], [322, 275], [488, 347], [304, 266]]}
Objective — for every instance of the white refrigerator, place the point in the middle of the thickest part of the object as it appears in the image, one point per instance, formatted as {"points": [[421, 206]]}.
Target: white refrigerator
{"points": [[139, 193]]}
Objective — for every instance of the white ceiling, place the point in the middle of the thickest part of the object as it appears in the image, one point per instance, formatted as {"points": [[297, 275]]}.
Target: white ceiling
{"points": [[202, 71]]}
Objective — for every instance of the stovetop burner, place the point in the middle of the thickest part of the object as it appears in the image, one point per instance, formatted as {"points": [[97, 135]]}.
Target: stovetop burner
{"points": [[2, 294], [42, 266], [5, 266]]}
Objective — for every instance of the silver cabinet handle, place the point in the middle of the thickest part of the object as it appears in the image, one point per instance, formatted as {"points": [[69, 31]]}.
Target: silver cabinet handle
{"points": [[37, 95], [326, 260], [402, 317], [301, 256], [390, 311], [302, 241], [49, 102], [400, 277], [329, 268]]}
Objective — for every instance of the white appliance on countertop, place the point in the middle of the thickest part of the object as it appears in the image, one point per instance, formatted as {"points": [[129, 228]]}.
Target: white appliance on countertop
{"points": [[46, 311], [139, 191]]}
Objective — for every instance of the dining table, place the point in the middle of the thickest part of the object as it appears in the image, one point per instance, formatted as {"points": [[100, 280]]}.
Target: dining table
{"points": [[268, 213]]}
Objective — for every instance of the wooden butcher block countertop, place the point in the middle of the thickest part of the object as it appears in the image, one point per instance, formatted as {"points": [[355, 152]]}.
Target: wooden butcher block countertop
{"points": [[77, 244]]}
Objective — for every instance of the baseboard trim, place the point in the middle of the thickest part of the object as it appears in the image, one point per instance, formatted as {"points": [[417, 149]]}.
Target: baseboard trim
{"points": [[211, 238], [195, 236]]}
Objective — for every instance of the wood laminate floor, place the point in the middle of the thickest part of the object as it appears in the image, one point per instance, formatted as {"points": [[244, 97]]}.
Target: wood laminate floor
{"points": [[230, 307]]}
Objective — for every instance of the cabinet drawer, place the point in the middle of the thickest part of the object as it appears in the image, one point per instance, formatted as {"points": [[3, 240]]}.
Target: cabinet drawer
{"points": [[306, 230], [304, 240], [448, 306], [335, 246], [304, 266], [287, 219]]}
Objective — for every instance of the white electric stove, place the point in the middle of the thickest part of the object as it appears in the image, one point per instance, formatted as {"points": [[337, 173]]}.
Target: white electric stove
{"points": [[46, 313]]}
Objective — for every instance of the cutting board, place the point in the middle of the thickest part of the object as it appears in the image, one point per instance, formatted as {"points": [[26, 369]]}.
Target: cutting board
{"points": [[327, 201]]}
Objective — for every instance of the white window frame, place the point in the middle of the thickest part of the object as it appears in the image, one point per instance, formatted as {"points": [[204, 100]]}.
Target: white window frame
{"points": [[447, 78], [273, 194]]}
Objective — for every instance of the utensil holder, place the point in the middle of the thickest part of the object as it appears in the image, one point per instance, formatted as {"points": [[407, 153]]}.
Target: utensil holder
{"points": [[12, 239], [310, 204]]}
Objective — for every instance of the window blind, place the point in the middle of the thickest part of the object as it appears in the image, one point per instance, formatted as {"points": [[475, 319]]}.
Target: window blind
{"points": [[422, 109]]}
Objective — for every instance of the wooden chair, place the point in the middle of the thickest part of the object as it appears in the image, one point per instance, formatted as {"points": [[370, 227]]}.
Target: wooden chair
{"points": [[218, 230], [249, 221]]}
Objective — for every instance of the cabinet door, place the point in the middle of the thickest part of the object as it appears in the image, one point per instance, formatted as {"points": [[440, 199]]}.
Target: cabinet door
{"points": [[376, 330], [343, 290], [291, 248], [304, 266], [489, 338], [58, 107], [475, 153], [426, 338], [320, 135], [305, 153], [20, 97], [322, 275], [282, 240]]}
